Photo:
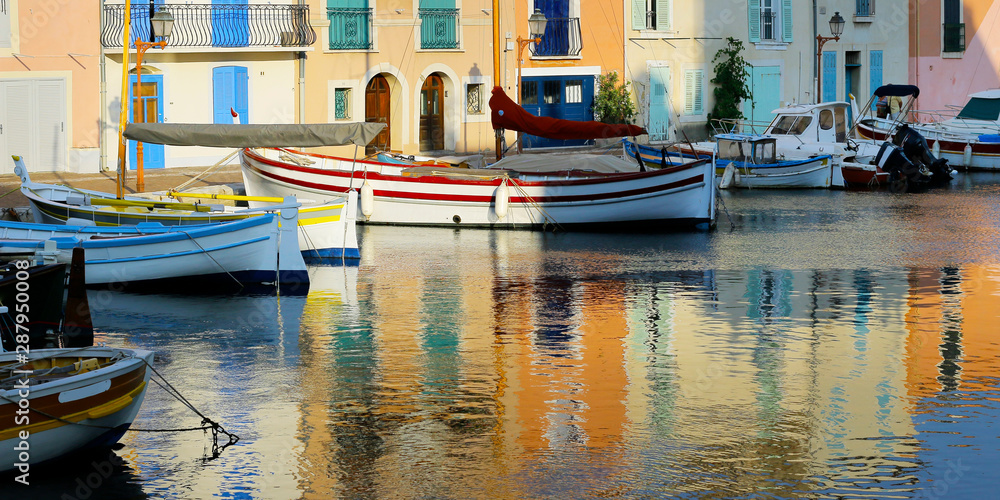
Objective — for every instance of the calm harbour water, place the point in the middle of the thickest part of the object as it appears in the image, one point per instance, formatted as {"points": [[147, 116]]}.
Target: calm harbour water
{"points": [[817, 344]]}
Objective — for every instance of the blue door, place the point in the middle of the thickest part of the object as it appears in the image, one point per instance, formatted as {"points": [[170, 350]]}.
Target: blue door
{"points": [[229, 92], [765, 87], [566, 97], [829, 76], [659, 104], [150, 101], [230, 23]]}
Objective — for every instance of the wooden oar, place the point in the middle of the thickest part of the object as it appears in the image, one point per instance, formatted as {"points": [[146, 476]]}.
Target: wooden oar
{"points": [[195, 207], [233, 197]]}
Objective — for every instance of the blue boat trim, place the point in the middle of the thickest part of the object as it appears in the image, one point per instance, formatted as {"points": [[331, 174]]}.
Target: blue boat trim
{"points": [[179, 254], [332, 253]]}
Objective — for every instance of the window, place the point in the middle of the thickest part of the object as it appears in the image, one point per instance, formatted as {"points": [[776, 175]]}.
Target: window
{"points": [[841, 125], [791, 125], [826, 119], [770, 20], [693, 92], [438, 24], [529, 93], [5, 24], [864, 8], [553, 91], [342, 103], [953, 29], [474, 98], [651, 14], [574, 91], [350, 24]]}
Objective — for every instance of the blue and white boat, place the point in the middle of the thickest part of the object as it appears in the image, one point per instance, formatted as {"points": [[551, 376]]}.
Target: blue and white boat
{"points": [[249, 253], [751, 161]]}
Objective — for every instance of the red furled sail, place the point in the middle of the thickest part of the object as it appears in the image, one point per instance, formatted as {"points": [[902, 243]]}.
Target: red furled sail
{"points": [[508, 115]]}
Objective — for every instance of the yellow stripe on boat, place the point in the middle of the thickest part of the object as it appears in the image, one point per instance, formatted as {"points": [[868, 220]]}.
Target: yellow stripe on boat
{"points": [[233, 197], [318, 220], [92, 413]]}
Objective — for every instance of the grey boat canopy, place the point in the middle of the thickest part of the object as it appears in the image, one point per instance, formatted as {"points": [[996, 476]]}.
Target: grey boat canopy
{"points": [[254, 135]]}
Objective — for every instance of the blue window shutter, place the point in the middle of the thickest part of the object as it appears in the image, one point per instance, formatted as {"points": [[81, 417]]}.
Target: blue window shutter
{"points": [[241, 96], [347, 4], [786, 20], [829, 76], [875, 71], [437, 4], [754, 17]]}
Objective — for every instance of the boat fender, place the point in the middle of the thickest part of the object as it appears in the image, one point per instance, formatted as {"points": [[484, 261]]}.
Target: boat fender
{"points": [[936, 149], [967, 155], [500, 199], [367, 200], [727, 176]]}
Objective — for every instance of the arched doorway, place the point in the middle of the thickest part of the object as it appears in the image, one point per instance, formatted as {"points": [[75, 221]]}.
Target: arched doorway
{"points": [[432, 114], [377, 110]]}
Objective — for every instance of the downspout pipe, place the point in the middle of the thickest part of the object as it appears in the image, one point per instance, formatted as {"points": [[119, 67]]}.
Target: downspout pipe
{"points": [[815, 85], [101, 146]]}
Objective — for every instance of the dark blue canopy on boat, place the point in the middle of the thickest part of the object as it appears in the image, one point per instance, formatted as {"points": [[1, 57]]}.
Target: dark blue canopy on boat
{"points": [[897, 90]]}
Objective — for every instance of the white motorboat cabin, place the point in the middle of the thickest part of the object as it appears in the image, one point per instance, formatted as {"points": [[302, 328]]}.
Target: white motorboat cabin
{"points": [[753, 149]]}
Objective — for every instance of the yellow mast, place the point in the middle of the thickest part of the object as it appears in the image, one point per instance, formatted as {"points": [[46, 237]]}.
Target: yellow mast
{"points": [[123, 114], [496, 69]]}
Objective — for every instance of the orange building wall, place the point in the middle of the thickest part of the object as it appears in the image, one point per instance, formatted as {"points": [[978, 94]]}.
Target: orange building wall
{"points": [[61, 36]]}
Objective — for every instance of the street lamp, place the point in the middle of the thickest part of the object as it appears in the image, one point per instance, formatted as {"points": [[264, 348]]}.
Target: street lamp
{"points": [[536, 27], [161, 25], [836, 28]]}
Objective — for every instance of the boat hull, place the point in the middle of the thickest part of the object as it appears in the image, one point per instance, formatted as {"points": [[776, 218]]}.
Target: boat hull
{"points": [[105, 400], [984, 155], [250, 252], [813, 173], [862, 175], [676, 197], [326, 230]]}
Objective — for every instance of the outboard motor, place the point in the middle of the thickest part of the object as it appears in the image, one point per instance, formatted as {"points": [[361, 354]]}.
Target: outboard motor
{"points": [[903, 174], [916, 150]]}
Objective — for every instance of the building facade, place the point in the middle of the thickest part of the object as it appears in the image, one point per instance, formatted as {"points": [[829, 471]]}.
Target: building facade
{"points": [[670, 49], [221, 57], [49, 83], [425, 67], [952, 53]]}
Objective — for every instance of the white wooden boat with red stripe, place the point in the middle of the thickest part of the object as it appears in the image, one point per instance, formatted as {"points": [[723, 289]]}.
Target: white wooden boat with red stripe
{"points": [[54, 402], [566, 191]]}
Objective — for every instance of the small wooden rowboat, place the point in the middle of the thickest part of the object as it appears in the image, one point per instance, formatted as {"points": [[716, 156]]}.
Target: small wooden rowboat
{"points": [[55, 402]]}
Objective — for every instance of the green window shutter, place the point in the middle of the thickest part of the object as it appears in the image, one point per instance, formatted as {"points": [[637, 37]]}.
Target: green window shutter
{"points": [[754, 17], [786, 20], [638, 14], [663, 14]]}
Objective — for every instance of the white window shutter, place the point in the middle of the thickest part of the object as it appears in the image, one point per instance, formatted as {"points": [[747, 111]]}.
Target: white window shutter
{"points": [[638, 14]]}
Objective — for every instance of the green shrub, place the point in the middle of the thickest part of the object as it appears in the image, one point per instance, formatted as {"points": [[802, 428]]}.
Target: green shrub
{"points": [[613, 103]]}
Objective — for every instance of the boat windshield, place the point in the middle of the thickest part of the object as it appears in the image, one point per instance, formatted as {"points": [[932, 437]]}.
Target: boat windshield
{"points": [[735, 150], [981, 109], [790, 124]]}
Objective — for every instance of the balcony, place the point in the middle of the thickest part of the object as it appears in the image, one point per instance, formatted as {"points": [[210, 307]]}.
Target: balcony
{"points": [[350, 29], [954, 37], [561, 38], [224, 26], [438, 28]]}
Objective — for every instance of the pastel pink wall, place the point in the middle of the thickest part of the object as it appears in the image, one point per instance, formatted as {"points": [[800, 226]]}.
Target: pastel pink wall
{"points": [[943, 81], [49, 31]]}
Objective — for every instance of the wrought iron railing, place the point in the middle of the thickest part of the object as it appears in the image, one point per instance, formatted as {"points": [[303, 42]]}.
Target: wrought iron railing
{"points": [[561, 38], [438, 28], [768, 25], [208, 25], [350, 28], [954, 37]]}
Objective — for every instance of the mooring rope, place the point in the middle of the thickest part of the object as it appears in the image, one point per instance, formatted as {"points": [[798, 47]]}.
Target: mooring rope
{"points": [[207, 423]]}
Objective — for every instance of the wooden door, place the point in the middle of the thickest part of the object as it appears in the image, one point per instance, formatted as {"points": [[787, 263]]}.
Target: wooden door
{"points": [[432, 114], [377, 110]]}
